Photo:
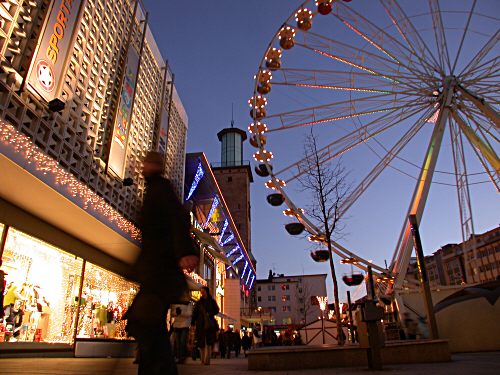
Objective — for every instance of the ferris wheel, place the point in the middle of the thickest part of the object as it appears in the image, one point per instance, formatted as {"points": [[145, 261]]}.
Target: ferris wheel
{"points": [[387, 86]]}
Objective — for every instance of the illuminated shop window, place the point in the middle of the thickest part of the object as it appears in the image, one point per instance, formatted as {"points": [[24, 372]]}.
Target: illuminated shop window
{"points": [[105, 299], [42, 285]]}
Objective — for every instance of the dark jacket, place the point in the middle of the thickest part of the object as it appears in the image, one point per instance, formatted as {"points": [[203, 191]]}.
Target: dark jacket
{"points": [[165, 228], [204, 320]]}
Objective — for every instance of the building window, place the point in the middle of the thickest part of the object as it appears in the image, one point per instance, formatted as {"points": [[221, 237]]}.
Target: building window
{"points": [[271, 298], [270, 287], [230, 179], [285, 297], [273, 309], [259, 298], [285, 287], [258, 288], [287, 308], [287, 320]]}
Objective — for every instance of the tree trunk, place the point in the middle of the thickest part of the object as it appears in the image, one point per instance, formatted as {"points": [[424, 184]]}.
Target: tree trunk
{"points": [[340, 337]]}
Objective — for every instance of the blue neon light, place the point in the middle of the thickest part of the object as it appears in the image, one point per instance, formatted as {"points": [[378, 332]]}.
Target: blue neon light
{"points": [[215, 203], [251, 282], [244, 269], [236, 248], [228, 239], [197, 177], [248, 277], [238, 259], [224, 227]]}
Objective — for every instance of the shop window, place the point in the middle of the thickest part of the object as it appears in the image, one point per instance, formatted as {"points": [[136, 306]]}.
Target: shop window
{"points": [[42, 285], [105, 299]]}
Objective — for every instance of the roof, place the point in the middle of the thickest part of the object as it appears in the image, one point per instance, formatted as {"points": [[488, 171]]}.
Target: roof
{"points": [[280, 278]]}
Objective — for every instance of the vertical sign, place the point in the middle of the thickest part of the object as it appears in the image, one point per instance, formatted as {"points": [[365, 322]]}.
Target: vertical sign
{"points": [[121, 127], [162, 142], [48, 66]]}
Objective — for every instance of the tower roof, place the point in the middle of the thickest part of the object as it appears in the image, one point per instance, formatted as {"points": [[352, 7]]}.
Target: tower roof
{"points": [[232, 130]]}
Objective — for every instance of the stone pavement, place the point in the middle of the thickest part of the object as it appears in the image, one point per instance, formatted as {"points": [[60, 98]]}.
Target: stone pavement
{"points": [[469, 363]]}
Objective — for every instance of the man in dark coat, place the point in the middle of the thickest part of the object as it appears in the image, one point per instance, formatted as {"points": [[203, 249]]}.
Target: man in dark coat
{"points": [[167, 249]]}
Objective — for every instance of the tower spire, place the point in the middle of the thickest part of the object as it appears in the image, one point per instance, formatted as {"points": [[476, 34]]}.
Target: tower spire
{"points": [[232, 115]]}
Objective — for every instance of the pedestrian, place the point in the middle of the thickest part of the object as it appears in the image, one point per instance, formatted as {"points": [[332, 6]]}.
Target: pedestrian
{"points": [[246, 343], [181, 330], [222, 343], [229, 339], [411, 327], [206, 326], [237, 343], [167, 248]]}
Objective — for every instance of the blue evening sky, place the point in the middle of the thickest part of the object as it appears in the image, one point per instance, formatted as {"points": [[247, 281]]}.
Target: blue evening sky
{"points": [[215, 48]]}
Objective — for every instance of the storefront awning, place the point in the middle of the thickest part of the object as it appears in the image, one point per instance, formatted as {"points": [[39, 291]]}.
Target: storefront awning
{"points": [[212, 245], [226, 317]]}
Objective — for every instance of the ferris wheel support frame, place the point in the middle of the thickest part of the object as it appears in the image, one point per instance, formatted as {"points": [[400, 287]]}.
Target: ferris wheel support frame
{"points": [[403, 252]]}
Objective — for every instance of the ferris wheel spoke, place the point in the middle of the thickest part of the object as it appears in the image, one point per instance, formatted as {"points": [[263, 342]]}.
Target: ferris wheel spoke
{"points": [[461, 179], [337, 80], [378, 37], [482, 105], [485, 75], [363, 30], [463, 36], [482, 122], [411, 36], [341, 110], [344, 53], [439, 34], [349, 141], [481, 145], [485, 50], [385, 161]]}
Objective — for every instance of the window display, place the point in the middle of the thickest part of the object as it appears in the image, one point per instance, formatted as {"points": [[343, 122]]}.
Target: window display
{"points": [[41, 282], [105, 299]]}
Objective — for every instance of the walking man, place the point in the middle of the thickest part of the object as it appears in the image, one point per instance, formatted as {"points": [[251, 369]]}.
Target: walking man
{"points": [[167, 249]]}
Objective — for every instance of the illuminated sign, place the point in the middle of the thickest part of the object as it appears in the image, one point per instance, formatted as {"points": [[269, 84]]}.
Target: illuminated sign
{"points": [[118, 150], [56, 43]]}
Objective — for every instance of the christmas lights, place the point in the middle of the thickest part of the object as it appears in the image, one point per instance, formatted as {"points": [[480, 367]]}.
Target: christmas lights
{"points": [[236, 248], [200, 172], [228, 239], [43, 163], [244, 269], [223, 231], [215, 204]]}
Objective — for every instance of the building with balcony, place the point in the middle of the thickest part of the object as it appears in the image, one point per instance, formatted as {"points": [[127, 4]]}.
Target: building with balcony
{"points": [[291, 300]]}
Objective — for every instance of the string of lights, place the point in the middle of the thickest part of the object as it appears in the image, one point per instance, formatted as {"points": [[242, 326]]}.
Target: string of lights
{"points": [[43, 163]]}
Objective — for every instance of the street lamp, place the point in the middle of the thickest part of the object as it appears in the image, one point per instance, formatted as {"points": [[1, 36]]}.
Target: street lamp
{"points": [[322, 301]]}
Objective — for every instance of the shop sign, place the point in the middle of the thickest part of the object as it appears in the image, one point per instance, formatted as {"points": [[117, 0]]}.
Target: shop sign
{"points": [[48, 66], [162, 143], [123, 118]]}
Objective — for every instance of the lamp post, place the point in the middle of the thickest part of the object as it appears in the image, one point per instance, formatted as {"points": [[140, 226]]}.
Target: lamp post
{"points": [[322, 301]]}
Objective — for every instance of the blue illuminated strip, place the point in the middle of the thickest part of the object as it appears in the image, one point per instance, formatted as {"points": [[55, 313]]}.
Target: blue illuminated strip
{"points": [[197, 177], [224, 227], [238, 259], [236, 248], [251, 282], [228, 239], [248, 277], [244, 269], [215, 203]]}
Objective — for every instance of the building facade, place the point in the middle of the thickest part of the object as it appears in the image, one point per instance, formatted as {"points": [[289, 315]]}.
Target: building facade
{"points": [[84, 94], [291, 300], [225, 263], [474, 261]]}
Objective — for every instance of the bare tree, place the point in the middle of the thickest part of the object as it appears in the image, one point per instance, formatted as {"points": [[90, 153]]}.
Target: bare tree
{"points": [[303, 296], [326, 181]]}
